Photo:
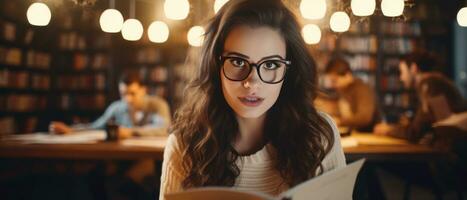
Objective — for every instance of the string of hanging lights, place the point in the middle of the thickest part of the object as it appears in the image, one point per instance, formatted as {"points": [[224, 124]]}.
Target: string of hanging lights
{"points": [[111, 20]]}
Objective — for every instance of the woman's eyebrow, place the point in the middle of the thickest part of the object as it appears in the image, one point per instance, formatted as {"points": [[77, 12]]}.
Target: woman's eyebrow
{"points": [[272, 56], [229, 53], [232, 53]]}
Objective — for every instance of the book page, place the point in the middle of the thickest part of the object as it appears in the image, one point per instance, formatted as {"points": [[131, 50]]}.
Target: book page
{"points": [[336, 184], [214, 193]]}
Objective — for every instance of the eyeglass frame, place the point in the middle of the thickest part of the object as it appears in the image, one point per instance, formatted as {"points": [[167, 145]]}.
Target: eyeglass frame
{"points": [[222, 59]]}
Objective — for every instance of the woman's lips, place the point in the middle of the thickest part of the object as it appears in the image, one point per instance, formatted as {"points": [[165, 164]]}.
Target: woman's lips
{"points": [[251, 101]]}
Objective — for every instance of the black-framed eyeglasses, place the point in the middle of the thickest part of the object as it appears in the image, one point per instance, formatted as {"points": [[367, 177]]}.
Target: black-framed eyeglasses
{"points": [[270, 71]]}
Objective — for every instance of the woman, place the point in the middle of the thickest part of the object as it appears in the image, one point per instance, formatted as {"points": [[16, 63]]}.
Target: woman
{"points": [[249, 121]]}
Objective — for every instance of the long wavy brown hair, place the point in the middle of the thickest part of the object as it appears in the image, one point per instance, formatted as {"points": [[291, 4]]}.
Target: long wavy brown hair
{"points": [[205, 125]]}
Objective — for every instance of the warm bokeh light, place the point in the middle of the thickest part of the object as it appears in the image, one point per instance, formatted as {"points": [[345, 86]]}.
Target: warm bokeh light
{"points": [[311, 34], [313, 9], [132, 30], [363, 7], [340, 22], [176, 9], [218, 5], [392, 8], [196, 36], [111, 21], [39, 14], [462, 17], [158, 32]]}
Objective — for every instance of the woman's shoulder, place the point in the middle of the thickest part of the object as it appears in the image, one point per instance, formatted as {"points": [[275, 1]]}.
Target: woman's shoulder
{"points": [[335, 157], [331, 123], [172, 147]]}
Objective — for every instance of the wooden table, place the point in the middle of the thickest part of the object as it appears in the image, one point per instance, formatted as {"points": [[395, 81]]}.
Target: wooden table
{"points": [[384, 148], [372, 147], [98, 151]]}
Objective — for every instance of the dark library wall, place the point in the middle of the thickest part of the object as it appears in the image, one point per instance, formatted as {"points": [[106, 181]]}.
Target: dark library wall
{"points": [[69, 69]]}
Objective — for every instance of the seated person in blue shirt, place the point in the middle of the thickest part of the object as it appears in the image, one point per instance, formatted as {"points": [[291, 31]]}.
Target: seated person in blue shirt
{"points": [[136, 113]]}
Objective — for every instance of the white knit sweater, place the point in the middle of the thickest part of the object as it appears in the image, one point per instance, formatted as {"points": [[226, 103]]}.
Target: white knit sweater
{"points": [[257, 171]]}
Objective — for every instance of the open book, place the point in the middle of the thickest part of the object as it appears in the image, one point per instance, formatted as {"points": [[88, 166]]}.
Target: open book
{"points": [[335, 184]]}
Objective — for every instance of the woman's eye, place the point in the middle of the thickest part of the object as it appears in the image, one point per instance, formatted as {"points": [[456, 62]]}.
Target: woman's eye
{"points": [[237, 62], [271, 65]]}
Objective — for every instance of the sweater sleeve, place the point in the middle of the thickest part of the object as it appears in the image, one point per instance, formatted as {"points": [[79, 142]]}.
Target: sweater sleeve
{"points": [[335, 158], [171, 176]]}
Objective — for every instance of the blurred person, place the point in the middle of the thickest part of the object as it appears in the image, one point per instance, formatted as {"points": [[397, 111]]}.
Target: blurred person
{"points": [[136, 113], [435, 94], [356, 100]]}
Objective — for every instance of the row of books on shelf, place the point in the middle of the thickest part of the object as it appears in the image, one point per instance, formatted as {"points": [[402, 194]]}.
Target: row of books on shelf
{"points": [[359, 28], [74, 40], [148, 55], [397, 100], [81, 82], [391, 65], [398, 45], [327, 43], [38, 59], [367, 44], [10, 125], [23, 102], [71, 41], [401, 28], [34, 59], [80, 61], [158, 74], [362, 62], [10, 56], [81, 102], [23, 80], [391, 83], [10, 32], [14, 79]]}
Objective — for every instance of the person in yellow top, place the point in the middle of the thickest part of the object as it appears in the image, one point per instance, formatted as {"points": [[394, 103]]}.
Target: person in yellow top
{"points": [[356, 99]]}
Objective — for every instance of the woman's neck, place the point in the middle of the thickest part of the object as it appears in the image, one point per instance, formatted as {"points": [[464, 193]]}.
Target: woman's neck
{"points": [[251, 137]]}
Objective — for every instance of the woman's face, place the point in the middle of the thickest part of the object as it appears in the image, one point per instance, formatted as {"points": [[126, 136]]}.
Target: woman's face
{"points": [[252, 98]]}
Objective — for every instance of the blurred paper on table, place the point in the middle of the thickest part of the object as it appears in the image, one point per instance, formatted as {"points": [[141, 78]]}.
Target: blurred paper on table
{"points": [[348, 142], [82, 137], [369, 139], [156, 142]]}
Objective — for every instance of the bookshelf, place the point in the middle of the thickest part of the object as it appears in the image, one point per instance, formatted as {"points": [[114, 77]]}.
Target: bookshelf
{"points": [[374, 46], [80, 66], [25, 64]]}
